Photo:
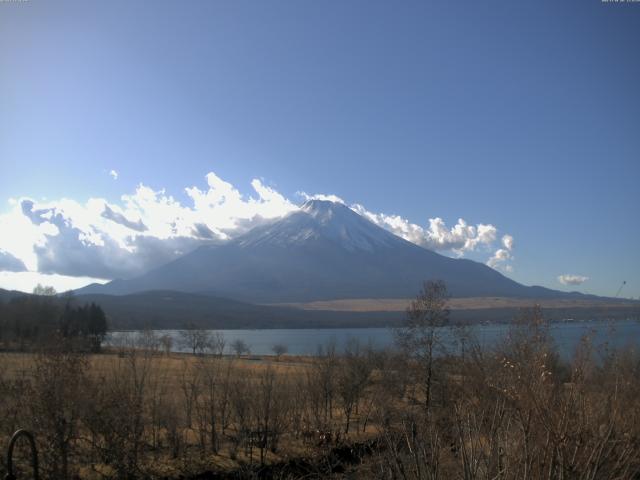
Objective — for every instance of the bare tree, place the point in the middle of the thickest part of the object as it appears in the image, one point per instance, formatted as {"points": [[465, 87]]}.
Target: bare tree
{"points": [[190, 384], [353, 377], [420, 335], [216, 344], [166, 341], [240, 402], [279, 349], [56, 406], [240, 347], [147, 339], [213, 373], [196, 339], [116, 419]]}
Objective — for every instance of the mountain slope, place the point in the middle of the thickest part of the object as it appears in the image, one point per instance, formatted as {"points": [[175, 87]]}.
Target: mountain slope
{"points": [[323, 251]]}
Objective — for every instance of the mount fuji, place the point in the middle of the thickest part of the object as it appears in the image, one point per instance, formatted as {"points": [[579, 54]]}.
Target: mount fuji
{"points": [[322, 251]]}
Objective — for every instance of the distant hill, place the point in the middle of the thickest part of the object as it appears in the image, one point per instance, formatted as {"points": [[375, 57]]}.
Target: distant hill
{"points": [[324, 251], [174, 310], [7, 295]]}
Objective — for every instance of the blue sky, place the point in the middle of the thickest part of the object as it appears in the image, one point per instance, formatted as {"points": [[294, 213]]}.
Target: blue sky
{"points": [[519, 115]]}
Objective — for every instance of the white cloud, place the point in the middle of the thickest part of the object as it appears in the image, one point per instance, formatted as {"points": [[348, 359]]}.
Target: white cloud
{"points": [[224, 210], [149, 227], [502, 256], [113, 174], [569, 279], [459, 239], [26, 281], [507, 241], [320, 196], [20, 235]]}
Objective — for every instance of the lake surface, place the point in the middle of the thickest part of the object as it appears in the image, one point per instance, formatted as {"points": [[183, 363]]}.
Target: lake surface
{"points": [[566, 335]]}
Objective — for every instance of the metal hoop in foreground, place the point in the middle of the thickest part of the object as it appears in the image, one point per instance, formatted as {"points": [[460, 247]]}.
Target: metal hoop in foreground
{"points": [[34, 454]]}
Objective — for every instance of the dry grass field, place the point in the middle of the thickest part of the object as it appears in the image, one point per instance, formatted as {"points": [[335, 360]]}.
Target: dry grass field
{"points": [[469, 303], [179, 399]]}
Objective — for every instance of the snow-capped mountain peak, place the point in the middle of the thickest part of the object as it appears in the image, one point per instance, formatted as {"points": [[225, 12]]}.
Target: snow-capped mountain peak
{"points": [[321, 210], [321, 221]]}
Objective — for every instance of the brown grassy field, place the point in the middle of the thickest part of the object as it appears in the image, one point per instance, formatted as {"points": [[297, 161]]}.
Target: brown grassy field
{"points": [[174, 380], [19, 364], [470, 303]]}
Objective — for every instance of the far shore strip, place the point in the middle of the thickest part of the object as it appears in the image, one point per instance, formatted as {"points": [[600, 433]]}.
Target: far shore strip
{"points": [[469, 303]]}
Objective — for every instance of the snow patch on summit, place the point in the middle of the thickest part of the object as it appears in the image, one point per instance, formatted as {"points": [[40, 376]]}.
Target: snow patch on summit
{"points": [[319, 220]]}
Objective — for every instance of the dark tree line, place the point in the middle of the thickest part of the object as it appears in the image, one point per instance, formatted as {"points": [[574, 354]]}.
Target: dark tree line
{"points": [[35, 320], [86, 322]]}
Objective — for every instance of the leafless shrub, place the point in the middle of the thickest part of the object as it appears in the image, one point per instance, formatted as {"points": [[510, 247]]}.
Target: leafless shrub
{"points": [[55, 401], [279, 349], [195, 339], [116, 418], [240, 347]]}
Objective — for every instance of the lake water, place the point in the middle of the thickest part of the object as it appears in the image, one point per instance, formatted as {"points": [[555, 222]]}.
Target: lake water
{"points": [[566, 335]]}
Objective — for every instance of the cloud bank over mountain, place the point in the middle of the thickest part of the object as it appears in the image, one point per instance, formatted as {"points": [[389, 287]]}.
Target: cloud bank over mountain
{"points": [[148, 228], [459, 239]]}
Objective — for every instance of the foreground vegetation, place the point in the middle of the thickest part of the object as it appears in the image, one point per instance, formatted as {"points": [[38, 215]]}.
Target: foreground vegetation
{"points": [[514, 411]]}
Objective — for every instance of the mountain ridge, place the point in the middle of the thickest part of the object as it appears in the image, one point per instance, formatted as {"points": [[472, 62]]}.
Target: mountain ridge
{"points": [[174, 310], [323, 251]]}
